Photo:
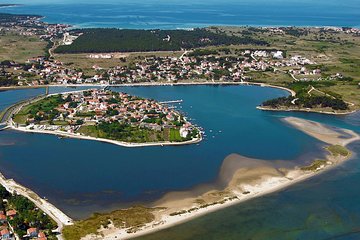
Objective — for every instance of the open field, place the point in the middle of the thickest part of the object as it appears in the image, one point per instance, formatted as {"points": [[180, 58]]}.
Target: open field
{"points": [[20, 48]]}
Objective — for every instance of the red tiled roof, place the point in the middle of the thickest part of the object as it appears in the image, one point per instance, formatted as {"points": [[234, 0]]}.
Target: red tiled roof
{"points": [[41, 235], [31, 230], [5, 231], [11, 213]]}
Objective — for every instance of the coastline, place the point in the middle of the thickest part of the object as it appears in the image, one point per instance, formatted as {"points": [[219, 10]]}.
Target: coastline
{"points": [[56, 214], [115, 142], [266, 183]]}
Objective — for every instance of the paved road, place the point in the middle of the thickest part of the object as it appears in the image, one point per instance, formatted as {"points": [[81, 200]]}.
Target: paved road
{"points": [[8, 112]]}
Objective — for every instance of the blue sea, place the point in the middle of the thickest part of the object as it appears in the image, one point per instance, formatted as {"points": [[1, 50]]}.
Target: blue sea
{"points": [[173, 14]]}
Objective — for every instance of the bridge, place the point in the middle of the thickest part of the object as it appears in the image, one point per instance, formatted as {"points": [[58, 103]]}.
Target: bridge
{"points": [[106, 87]]}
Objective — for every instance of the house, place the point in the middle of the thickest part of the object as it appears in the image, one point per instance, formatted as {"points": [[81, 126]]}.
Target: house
{"points": [[42, 236], [11, 214], [278, 55], [3, 219], [32, 232], [5, 234], [184, 132]]}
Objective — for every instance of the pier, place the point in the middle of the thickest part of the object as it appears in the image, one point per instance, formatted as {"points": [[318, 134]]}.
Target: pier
{"points": [[170, 102]]}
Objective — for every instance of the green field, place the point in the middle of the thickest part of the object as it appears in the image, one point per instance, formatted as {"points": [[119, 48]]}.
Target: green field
{"points": [[175, 136], [127, 133], [20, 48]]}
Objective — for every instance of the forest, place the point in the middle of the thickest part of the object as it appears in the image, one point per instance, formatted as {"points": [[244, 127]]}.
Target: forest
{"points": [[127, 40]]}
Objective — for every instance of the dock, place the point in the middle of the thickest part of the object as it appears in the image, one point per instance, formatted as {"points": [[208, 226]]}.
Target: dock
{"points": [[173, 101]]}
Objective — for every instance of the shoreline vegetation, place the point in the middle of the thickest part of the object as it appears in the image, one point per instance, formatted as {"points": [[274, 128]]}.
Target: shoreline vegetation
{"points": [[242, 179]]}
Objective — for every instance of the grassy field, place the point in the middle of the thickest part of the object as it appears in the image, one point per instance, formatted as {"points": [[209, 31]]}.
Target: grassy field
{"points": [[147, 135], [22, 115], [20, 48], [131, 218], [89, 131], [175, 135]]}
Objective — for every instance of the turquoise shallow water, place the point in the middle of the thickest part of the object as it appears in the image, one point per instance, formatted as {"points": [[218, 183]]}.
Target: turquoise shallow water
{"points": [[173, 14], [86, 176]]}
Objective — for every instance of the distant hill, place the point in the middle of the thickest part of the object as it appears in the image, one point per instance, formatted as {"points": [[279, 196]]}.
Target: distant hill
{"points": [[8, 5], [116, 40]]}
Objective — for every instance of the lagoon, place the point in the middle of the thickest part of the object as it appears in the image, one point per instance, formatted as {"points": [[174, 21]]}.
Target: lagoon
{"points": [[81, 177]]}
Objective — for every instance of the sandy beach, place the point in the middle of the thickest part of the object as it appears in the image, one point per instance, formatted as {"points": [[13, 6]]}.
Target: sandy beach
{"points": [[245, 179]]}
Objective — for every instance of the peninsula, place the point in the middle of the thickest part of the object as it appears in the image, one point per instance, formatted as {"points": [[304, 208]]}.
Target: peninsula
{"points": [[108, 116]]}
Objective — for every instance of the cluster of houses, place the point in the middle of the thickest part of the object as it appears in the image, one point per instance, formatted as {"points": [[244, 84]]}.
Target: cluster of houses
{"points": [[5, 228], [32, 26], [348, 30], [46, 72], [156, 69], [95, 106], [7, 231], [150, 69], [209, 67]]}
